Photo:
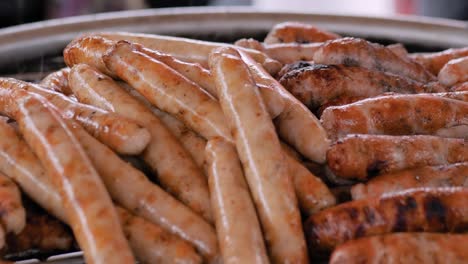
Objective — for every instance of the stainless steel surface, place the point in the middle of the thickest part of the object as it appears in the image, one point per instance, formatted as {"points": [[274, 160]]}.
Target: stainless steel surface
{"points": [[32, 41], [37, 39]]}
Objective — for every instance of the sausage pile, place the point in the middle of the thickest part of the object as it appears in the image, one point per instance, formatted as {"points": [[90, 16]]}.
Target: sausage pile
{"points": [[304, 146]]}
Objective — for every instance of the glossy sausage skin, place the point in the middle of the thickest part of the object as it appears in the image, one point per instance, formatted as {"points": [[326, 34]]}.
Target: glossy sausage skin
{"points": [[239, 233], [122, 134], [57, 81], [18, 162], [13, 215], [168, 90], [427, 210], [436, 60], [311, 85], [455, 71], [86, 201], [259, 149], [189, 50], [404, 248], [398, 115], [288, 32], [176, 170], [452, 175], [143, 235], [135, 192], [364, 156], [293, 114], [359, 52]]}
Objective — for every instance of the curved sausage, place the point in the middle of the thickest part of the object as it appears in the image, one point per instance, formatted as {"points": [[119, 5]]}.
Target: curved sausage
{"points": [[259, 149], [399, 49], [455, 71], [288, 32], [427, 210], [293, 114], [18, 162], [57, 81], [86, 201], [404, 248], [359, 52], [407, 114], [237, 226], [452, 175], [434, 61], [176, 170], [189, 50], [168, 90], [364, 156], [311, 85], [13, 215], [123, 135], [143, 235], [135, 192], [312, 194]]}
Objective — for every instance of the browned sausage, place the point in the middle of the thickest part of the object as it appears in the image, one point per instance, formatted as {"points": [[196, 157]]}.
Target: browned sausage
{"points": [[436, 60], [18, 162], [57, 81], [13, 215], [292, 114], [311, 85], [122, 134], [86, 201], [399, 49], [260, 152], [455, 71], [427, 248], [176, 170], [457, 95], [168, 90], [297, 32], [460, 87], [135, 192], [398, 115], [427, 210], [364, 156], [138, 230], [359, 52], [188, 49], [452, 175], [239, 233]]}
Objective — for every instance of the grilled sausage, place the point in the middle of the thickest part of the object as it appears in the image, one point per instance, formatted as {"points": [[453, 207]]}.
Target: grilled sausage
{"points": [[175, 168], [237, 226], [364, 156], [168, 90], [399, 49], [455, 71], [427, 248], [135, 192], [452, 175], [398, 115], [434, 61], [293, 114], [456, 95], [319, 84], [86, 201], [359, 52], [292, 67], [312, 194], [88, 49], [13, 215], [427, 210], [189, 50], [288, 32], [18, 162], [57, 81], [138, 230], [460, 87], [259, 150], [123, 135]]}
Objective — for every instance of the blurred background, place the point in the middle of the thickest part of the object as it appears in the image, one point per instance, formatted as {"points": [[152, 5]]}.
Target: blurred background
{"points": [[13, 12]]}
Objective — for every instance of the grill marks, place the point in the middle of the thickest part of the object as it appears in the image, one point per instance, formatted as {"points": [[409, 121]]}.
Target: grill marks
{"points": [[427, 210]]}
